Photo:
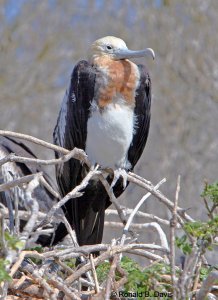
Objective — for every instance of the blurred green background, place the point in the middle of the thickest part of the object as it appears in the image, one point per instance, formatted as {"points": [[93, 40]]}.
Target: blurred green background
{"points": [[42, 40]]}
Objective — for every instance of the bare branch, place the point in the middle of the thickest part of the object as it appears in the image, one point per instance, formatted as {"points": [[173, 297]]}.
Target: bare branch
{"points": [[34, 140], [2, 235], [112, 250], [62, 287], [33, 273], [113, 199], [130, 219], [76, 153], [53, 286], [19, 181], [34, 208], [70, 231], [22, 214], [173, 224], [128, 211], [111, 274], [181, 212], [21, 257], [207, 285], [73, 194], [97, 289], [146, 254], [49, 188]]}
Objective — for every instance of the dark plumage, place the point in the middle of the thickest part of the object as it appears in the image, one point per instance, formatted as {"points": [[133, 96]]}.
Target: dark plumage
{"points": [[96, 98], [14, 170]]}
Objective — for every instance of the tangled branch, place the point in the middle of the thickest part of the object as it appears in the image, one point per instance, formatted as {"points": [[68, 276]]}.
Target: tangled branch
{"points": [[34, 274]]}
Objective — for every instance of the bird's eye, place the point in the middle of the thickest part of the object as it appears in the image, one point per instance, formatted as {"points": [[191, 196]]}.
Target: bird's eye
{"points": [[109, 47]]}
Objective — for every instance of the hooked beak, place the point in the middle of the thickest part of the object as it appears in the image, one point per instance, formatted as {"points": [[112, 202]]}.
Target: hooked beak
{"points": [[126, 53]]}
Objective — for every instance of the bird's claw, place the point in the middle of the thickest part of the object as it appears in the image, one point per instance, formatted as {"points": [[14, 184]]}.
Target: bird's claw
{"points": [[117, 174]]}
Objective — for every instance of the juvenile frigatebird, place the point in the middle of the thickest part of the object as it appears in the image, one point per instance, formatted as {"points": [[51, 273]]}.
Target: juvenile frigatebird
{"points": [[106, 112]]}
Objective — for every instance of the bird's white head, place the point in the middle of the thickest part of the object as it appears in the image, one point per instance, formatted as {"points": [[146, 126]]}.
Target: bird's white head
{"points": [[115, 49]]}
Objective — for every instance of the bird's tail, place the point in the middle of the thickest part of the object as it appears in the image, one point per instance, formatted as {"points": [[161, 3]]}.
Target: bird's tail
{"points": [[88, 218]]}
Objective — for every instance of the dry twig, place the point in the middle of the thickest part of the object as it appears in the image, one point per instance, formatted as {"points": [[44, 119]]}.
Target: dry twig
{"points": [[130, 219], [173, 224], [97, 289], [53, 286], [207, 285]]}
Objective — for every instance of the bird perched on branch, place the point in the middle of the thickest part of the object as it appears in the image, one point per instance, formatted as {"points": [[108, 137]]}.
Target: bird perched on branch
{"points": [[106, 112]]}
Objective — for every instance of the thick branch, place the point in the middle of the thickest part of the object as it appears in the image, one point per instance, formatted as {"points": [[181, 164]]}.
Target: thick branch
{"points": [[207, 285], [79, 153], [73, 194], [110, 253]]}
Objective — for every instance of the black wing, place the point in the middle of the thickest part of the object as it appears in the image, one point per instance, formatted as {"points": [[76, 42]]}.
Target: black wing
{"points": [[142, 113], [15, 170], [71, 128], [85, 214], [9, 145]]}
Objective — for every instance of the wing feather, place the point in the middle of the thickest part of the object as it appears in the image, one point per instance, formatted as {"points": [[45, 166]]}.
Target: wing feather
{"points": [[142, 114], [86, 213], [71, 128]]}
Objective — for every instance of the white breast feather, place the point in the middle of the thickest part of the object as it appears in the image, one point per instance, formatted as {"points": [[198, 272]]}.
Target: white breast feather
{"points": [[110, 134]]}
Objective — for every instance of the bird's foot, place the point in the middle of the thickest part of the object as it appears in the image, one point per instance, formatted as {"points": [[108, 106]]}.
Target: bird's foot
{"points": [[117, 174]]}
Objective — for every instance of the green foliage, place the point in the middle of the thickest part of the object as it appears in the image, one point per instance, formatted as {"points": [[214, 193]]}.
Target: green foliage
{"points": [[139, 279], [3, 273], [211, 192], [13, 242], [39, 249], [210, 196], [102, 271], [204, 271], [182, 244], [151, 278], [71, 263], [205, 232]]}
